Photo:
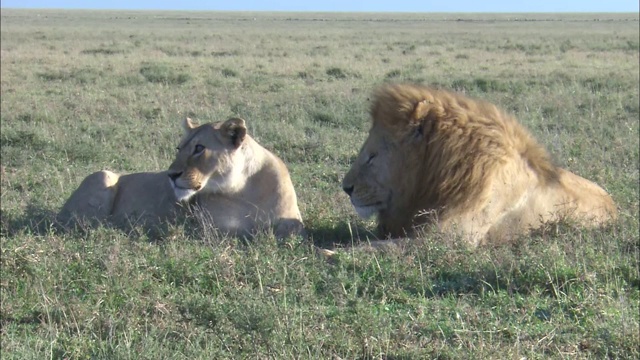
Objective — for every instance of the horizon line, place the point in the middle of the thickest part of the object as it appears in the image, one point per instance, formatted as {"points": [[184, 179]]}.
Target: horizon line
{"points": [[327, 11]]}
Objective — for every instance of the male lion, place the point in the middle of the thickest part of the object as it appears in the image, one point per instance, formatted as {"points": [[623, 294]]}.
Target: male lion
{"points": [[435, 156], [239, 186], [144, 199]]}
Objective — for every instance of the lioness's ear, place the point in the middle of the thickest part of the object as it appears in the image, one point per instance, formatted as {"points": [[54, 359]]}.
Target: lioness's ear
{"points": [[235, 129], [188, 125]]}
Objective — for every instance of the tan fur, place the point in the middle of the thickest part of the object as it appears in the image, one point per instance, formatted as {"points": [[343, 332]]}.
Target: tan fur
{"points": [[239, 186], [436, 156], [145, 199]]}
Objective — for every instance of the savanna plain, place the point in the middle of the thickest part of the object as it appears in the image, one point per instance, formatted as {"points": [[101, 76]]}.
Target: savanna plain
{"points": [[83, 91]]}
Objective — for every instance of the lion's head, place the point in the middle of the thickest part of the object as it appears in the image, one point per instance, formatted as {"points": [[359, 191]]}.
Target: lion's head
{"points": [[383, 175], [368, 181], [209, 159]]}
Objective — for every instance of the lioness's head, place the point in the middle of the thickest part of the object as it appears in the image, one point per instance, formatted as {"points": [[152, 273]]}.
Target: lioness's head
{"points": [[209, 158]]}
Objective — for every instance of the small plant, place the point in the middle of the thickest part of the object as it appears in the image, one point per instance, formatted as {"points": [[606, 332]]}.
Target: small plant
{"points": [[336, 73], [223, 53], [324, 118], [103, 51], [226, 72], [409, 50], [161, 73], [393, 74], [80, 76]]}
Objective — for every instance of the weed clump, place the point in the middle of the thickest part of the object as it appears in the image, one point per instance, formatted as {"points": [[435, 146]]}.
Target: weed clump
{"points": [[336, 73], [161, 73]]}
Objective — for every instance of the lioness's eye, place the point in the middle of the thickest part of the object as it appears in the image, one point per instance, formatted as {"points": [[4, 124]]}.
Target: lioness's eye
{"points": [[198, 149]]}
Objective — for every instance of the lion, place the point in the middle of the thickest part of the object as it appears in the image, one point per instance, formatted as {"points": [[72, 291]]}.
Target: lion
{"points": [[464, 165], [104, 197], [239, 186]]}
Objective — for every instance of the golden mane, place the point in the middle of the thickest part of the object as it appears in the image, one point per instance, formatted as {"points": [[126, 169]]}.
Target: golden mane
{"points": [[454, 129]]}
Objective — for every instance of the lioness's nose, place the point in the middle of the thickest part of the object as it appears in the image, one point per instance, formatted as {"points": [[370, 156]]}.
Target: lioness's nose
{"points": [[347, 189], [175, 175]]}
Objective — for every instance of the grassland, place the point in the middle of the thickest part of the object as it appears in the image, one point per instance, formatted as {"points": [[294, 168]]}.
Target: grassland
{"points": [[83, 91]]}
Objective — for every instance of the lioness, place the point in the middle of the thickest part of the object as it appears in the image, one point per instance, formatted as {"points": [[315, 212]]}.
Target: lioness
{"points": [[435, 156], [145, 199], [239, 186]]}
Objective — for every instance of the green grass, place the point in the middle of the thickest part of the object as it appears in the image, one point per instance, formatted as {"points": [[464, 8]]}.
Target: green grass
{"points": [[83, 91]]}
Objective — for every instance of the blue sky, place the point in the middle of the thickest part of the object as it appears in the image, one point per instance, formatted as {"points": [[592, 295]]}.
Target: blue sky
{"points": [[343, 5]]}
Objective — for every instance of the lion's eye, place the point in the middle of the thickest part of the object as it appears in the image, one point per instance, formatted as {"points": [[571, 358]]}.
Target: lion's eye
{"points": [[198, 149], [370, 159]]}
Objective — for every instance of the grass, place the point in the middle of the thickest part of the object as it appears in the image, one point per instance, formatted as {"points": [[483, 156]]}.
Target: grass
{"points": [[88, 90]]}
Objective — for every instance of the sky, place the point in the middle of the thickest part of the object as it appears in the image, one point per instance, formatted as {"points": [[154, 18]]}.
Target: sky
{"points": [[341, 5]]}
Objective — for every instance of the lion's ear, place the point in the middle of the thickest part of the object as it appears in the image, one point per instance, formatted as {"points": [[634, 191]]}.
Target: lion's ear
{"points": [[420, 112], [188, 125], [235, 129]]}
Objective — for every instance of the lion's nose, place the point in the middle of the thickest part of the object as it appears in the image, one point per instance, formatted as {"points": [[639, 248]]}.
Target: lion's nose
{"points": [[175, 175], [348, 189]]}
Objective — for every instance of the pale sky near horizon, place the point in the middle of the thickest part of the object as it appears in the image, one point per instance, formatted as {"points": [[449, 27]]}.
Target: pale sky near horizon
{"points": [[340, 5]]}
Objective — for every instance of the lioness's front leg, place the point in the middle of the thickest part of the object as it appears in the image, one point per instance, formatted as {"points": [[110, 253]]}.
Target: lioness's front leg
{"points": [[289, 227]]}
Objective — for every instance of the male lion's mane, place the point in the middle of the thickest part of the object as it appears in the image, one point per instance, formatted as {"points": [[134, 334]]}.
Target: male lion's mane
{"points": [[461, 141]]}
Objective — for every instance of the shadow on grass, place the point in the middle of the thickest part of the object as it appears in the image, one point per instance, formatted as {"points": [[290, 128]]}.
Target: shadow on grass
{"points": [[40, 221], [35, 220], [342, 234]]}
